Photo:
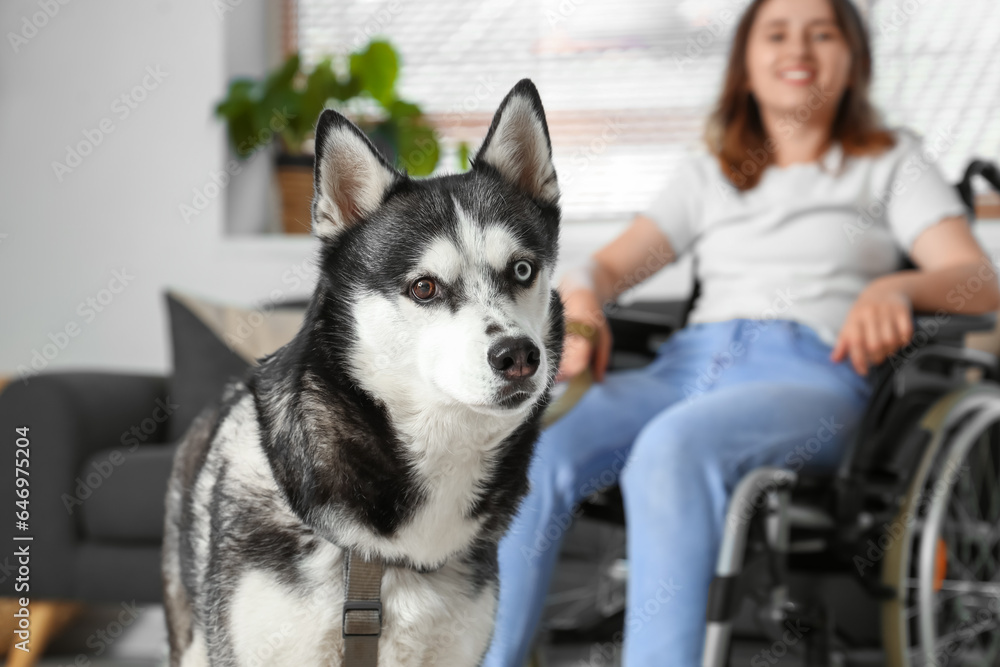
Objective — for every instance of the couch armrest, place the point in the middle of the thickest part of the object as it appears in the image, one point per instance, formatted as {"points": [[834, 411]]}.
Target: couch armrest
{"points": [[69, 416], [103, 407]]}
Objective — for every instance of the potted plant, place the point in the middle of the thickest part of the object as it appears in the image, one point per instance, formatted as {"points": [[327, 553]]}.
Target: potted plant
{"points": [[285, 105]]}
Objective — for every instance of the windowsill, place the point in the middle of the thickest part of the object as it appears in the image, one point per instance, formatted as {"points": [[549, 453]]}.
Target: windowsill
{"points": [[580, 237]]}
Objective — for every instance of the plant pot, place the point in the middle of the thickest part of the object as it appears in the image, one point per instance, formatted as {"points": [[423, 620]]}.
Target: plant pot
{"points": [[295, 182]]}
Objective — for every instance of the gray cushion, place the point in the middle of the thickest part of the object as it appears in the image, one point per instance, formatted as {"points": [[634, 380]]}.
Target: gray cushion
{"points": [[120, 494], [214, 343], [203, 365], [117, 574]]}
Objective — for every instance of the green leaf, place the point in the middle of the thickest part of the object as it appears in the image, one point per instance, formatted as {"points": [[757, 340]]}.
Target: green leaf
{"points": [[399, 109], [417, 147], [345, 90], [463, 156], [321, 85], [377, 68], [238, 109], [281, 113], [286, 104], [237, 99], [281, 80]]}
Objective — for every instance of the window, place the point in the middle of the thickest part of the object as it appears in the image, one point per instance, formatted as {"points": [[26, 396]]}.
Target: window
{"points": [[936, 68], [627, 84]]}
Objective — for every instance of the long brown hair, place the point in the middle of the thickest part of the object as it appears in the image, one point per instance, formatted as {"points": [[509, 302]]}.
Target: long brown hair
{"points": [[735, 133]]}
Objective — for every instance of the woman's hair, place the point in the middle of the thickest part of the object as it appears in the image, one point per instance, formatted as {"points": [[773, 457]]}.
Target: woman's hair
{"points": [[735, 133]]}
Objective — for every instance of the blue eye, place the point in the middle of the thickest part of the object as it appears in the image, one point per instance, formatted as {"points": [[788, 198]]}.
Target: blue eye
{"points": [[523, 270]]}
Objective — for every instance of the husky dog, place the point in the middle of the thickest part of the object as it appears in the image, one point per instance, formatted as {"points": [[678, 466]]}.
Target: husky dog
{"points": [[397, 425]]}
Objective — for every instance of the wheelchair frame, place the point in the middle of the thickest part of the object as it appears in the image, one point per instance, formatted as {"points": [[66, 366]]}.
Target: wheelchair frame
{"points": [[864, 494], [924, 419]]}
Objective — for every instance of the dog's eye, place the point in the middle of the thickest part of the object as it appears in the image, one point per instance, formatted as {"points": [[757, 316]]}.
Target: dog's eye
{"points": [[423, 289], [523, 270]]}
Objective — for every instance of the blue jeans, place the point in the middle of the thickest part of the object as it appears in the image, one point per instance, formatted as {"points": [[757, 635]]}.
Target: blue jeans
{"points": [[719, 400]]}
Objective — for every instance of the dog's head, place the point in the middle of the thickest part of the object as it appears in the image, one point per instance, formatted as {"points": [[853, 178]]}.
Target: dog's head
{"points": [[443, 286]]}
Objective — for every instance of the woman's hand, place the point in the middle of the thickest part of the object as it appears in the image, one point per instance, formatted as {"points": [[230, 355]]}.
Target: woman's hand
{"points": [[880, 322], [583, 311], [637, 253]]}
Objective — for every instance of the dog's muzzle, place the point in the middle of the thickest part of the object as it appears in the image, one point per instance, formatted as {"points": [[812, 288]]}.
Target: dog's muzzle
{"points": [[515, 360]]}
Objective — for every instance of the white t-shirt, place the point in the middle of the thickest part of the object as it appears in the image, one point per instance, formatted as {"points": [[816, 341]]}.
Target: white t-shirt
{"points": [[805, 241]]}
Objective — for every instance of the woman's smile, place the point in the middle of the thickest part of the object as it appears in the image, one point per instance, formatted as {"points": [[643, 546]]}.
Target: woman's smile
{"points": [[798, 76]]}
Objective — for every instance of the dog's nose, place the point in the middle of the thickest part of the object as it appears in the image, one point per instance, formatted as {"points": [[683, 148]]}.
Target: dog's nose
{"points": [[514, 358]]}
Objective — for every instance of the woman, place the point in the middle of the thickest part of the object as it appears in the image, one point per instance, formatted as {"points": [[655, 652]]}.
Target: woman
{"points": [[798, 216]]}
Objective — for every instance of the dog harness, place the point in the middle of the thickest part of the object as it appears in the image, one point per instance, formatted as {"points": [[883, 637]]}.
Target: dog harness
{"points": [[362, 610]]}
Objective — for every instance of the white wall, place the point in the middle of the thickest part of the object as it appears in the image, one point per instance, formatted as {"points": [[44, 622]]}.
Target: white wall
{"points": [[119, 208]]}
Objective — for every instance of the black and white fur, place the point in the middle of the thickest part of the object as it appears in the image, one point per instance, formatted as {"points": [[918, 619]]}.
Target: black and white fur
{"points": [[389, 425]]}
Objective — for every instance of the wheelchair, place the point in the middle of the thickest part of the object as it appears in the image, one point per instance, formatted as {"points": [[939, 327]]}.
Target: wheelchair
{"points": [[893, 559]]}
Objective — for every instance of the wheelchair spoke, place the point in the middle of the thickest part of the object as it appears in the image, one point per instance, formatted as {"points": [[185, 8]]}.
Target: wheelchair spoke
{"points": [[974, 511], [961, 587], [991, 468], [968, 630], [958, 598], [965, 491], [993, 650], [973, 570], [949, 582], [958, 563], [992, 549], [968, 636]]}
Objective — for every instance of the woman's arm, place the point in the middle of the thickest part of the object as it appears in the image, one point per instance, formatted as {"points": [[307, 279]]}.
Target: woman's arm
{"points": [[637, 253], [953, 274]]}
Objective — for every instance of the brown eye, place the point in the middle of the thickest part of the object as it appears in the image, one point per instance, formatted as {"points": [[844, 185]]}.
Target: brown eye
{"points": [[423, 289]]}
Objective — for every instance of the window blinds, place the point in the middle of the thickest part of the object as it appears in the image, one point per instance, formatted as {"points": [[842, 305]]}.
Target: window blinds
{"points": [[627, 84]]}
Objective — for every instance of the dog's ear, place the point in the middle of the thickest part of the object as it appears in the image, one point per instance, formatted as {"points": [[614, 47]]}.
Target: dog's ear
{"points": [[351, 177], [517, 144]]}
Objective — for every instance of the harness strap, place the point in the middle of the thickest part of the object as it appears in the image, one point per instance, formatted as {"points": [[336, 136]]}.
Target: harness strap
{"points": [[362, 610]]}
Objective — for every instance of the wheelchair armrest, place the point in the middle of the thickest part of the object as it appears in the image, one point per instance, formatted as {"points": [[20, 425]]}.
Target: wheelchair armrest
{"points": [[951, 326], [640, 326], [653, 314]]}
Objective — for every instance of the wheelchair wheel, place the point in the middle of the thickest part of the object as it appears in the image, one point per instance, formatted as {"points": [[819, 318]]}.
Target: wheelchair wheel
{"points": [[943, 556]]}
